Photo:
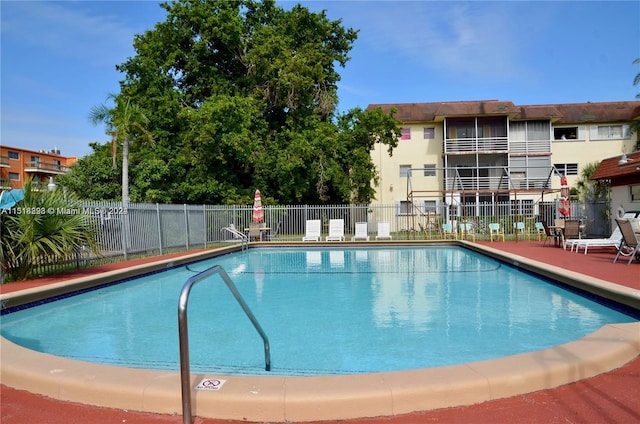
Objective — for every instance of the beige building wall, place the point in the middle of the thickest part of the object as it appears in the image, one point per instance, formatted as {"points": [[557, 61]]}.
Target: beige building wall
{"points": [[416, 152]]}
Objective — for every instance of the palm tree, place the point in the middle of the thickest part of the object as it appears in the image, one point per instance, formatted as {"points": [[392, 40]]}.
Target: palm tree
{"points": [[124, 122], [589, 189], [50, 224]]}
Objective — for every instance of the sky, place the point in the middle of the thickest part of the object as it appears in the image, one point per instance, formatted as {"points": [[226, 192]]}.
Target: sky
{"points": [[58, 58]]}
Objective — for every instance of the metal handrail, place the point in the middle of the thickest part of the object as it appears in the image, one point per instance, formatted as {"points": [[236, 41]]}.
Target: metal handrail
{"points": [[183, 332], [238, 234]]}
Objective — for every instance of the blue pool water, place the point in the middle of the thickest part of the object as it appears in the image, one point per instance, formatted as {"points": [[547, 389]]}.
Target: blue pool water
{"points": [[325, 311]]}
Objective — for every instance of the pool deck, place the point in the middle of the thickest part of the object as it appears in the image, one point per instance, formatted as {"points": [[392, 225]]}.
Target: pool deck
{"points": [[611, 397]]}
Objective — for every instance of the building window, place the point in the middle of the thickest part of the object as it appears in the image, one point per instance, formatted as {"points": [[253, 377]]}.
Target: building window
{"points": [[405, 170], [610, 132], [429, 170], [635, 193], [567, 168], [565, 133], [430, 206], [405, 133], [429, 133], [405, 208], [14, 155], [14, 176]]}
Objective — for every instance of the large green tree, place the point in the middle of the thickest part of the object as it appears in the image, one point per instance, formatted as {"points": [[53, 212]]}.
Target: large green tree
{"points": [[242, 95]]}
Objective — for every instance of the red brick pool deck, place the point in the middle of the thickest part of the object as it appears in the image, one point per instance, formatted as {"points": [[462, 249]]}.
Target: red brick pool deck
{"points": [[612, 397]]}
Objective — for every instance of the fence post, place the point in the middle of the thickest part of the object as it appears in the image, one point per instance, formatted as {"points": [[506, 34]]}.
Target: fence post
{"points": [[204, 225], [159, 227], [186, 225]]}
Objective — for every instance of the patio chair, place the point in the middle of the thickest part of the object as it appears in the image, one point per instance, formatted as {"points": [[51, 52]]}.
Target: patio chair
{"points": [[447, 231], [539, 230], [495, 231], [255, 233], [570, 232], [362, 232], [520, 228], [313, 230], [467, 232], [384, 231], [549, 233], [271, 235], [336, 230], [630, 240]]}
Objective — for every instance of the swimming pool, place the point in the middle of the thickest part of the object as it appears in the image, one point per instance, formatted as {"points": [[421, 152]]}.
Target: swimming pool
{"points": [[329, 393], [326, 311]]}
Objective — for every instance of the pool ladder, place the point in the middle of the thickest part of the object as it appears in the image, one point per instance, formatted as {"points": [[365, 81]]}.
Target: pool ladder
{"points": [[183, 333], [238, 235]]}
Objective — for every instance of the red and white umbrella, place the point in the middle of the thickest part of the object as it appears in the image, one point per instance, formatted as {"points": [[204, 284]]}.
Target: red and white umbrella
{"points": [[565, 207], [258, 214]]}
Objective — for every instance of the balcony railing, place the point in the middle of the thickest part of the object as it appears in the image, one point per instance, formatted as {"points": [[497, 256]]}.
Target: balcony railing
{"points": [[4, 161], [494, 183], [495, 145], [45, 167], [475, 145], [537, 146]]}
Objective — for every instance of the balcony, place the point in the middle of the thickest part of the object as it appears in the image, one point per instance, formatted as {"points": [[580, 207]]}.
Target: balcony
{"points": [[5, 184], [531, 146], [45, 168], [488, 145], [4, 161]]}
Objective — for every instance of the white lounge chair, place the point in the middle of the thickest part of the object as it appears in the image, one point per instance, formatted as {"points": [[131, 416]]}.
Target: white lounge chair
{"points": [[362, 232], [336, 230], [384, 231], [613, 240], [312, 230]]}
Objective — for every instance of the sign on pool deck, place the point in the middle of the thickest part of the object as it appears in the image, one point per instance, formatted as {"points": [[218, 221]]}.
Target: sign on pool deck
{"points": [[211, 384]]}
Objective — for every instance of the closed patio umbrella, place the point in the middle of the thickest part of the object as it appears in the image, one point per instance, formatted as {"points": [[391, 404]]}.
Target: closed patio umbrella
{"points": [[565, 205], [258, 214]]}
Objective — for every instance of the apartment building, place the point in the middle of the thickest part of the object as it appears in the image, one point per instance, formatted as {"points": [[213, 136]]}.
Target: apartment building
{"points": [[475, 153], [18, 164]]}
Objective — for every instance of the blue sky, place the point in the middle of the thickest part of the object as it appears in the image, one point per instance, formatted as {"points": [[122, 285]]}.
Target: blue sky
{"points": [[58, 58]]}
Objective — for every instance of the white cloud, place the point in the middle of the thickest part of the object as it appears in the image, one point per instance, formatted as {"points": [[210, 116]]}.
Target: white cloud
{"points": [[477, 39]]}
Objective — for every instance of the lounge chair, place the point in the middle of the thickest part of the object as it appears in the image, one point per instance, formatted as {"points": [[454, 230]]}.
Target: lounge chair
{"points": [[384, 231], [613, 240], [362, 233], [495, 231], [336, 230], [467, 232], [447, 231], [630, 241], [312, 230]]}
